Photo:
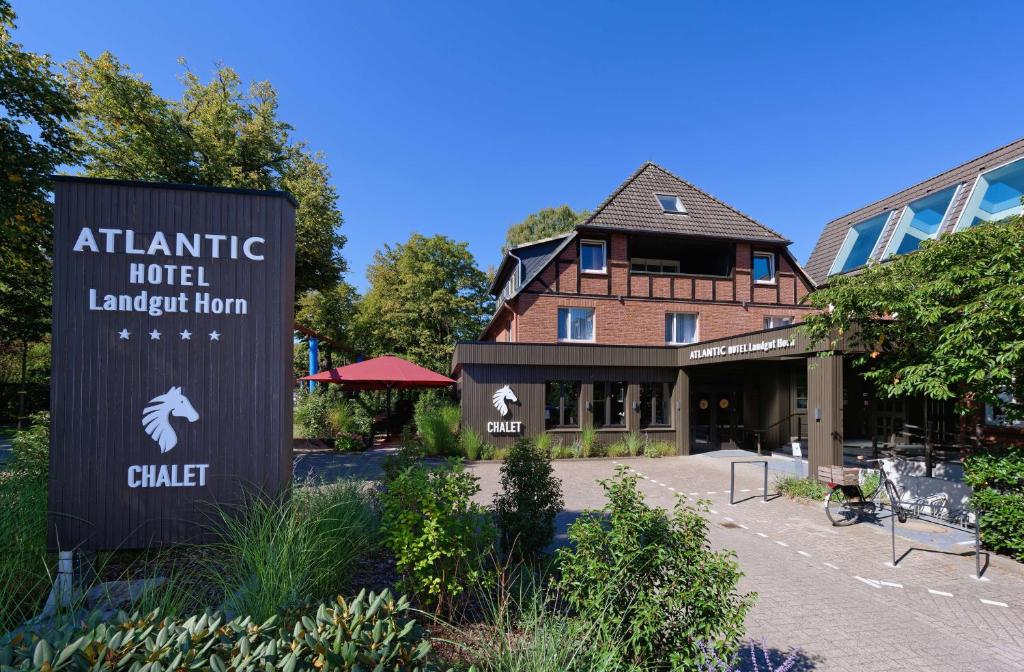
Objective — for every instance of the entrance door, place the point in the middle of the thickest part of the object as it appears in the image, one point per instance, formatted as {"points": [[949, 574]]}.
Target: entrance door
{"points": [[717, 419]]}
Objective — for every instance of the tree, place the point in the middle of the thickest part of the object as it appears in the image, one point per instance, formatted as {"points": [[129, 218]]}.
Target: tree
{"points": [[217, 134], [425, 295], [544, 223], [332, 314], [34, 105], [943, 322]]}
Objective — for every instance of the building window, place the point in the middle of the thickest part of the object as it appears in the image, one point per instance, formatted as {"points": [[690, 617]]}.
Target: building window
{"points": [[800, 385], [680, 328], [996, 195], [654, 403], [920, 221], [859, 243], [772, 321], [561, 404], [764, 267], [576, 324], [671, 204], [996, 416], [637, 265], [593, 256], [609, 404]]}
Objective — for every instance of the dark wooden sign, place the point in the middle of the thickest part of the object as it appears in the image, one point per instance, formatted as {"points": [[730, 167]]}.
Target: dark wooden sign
{"points": [[172, 358]]}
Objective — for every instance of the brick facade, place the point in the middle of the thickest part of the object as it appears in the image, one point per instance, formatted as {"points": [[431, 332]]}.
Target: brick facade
{"points": [[630, 308]]}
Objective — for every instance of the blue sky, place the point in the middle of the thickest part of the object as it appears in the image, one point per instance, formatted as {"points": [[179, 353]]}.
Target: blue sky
{"points": [[462, 118]]}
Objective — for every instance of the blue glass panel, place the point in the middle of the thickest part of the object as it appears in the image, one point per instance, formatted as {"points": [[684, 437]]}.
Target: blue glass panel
{"points": [[908, 244], [866, 235], [593, 257], [762, 268], [563, 322], [1005, 187]]}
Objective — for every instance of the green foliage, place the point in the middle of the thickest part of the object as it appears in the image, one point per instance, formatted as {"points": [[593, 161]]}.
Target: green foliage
{"points": [[313, 414], [424, 296], [958, 305], [588, 441], [409, 454], [632, 445], [24, 577], [351, 425], [369, 632], [530, 498], [438, 428], [649, 579], [471, 444], [331, 313], [544, 223], [997, 477], [659, 449], [618, 449], [795, 487], [273, 554], [34, 105], [218, 133], [436, 533]]}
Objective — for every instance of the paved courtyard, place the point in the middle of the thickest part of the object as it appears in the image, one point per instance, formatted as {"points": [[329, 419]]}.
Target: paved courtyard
{"points": [[831, 592]]}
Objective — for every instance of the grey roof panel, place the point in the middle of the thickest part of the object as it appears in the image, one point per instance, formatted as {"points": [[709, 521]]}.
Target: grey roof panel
{"points": [[832, 236], [634, 207]]}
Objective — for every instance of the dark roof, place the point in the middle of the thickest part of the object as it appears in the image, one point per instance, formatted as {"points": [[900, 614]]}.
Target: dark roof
{"points": [[834, 233], [172, 185], [535, 255], [634, 207]]}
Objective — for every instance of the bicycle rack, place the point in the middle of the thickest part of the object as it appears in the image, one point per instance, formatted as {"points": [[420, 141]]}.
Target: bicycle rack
{"points": [[732, 478], [951, 524]]}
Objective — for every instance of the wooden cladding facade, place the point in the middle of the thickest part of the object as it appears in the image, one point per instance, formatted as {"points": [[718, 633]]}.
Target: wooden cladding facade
{"points": [[118, 479]]}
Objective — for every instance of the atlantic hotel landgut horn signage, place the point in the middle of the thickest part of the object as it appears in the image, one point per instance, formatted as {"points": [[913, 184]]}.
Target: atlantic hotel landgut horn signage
{"points": [[763, 346], [172, 337]]}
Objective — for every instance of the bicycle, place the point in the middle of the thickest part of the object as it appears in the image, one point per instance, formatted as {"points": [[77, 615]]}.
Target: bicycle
{"points": [[847, 503]]}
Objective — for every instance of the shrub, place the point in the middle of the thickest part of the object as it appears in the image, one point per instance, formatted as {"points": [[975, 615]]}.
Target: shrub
{"points": [[313, 414], [618, 449], [650, 580], [796, 487], [588, 439], [411, 453], [659, 449], [436, 533], [634, 444], [471, 444], [273, 554], [529, 500], [368, 632], [438, 429], [543, 443], [997, 476], [351, 425], [24, 573]]}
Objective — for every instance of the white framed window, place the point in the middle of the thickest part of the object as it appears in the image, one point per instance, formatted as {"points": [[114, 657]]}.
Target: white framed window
{"points": [[996, 416], [921, 220], [576, 324], [764, 268], [772, 321], [680, 328], [996, 195], [638, 265], [593, 256], [671, 204], [859, 243]]}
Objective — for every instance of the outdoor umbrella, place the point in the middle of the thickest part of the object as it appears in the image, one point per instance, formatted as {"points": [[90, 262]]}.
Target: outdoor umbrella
{"points": [[382, 373]]}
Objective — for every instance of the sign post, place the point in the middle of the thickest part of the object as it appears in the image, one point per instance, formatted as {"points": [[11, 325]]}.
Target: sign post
{"points": [[172, 358]]}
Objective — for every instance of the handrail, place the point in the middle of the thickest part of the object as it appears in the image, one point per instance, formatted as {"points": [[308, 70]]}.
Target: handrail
{"points": [[776, 424]]}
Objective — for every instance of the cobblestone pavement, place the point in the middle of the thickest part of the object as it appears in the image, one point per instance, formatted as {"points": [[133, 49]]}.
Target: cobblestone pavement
{"points": [[829, 591]]}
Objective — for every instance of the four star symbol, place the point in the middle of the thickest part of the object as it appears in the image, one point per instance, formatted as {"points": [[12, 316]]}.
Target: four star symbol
{"points": [[125, 335]]}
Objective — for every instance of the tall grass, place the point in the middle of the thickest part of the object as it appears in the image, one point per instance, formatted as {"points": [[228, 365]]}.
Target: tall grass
{"points": [[25, 565], [438, 429], [276, 553]]}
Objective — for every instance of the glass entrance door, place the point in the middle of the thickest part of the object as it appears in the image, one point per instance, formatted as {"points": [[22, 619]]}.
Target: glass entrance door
{"points": [[717, 419]]}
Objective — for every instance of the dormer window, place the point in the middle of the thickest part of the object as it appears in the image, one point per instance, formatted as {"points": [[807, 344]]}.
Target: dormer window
{"points": [[764, 268], [671, 204]]}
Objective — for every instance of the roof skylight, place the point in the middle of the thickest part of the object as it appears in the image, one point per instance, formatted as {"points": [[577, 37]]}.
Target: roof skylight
{"points": [[671, 203]]}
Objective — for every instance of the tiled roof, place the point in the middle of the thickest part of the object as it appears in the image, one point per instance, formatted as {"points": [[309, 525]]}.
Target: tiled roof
{"points": [[832, 236], [635, 207]]}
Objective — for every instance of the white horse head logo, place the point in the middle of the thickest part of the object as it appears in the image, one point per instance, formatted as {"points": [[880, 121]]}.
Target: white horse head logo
{"points": [[500, 397], [156, 418]]}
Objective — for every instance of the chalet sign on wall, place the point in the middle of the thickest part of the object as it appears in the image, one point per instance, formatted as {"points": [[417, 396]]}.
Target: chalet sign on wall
{"points": [[172, 349]]}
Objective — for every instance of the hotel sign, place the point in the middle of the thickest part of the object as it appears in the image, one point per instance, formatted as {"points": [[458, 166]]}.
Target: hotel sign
{"points": [[764, 346], [172, 341]]}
